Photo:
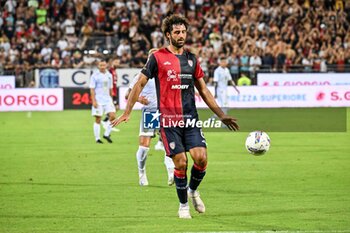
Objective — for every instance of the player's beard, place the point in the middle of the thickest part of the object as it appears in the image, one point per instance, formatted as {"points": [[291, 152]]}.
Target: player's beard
{"points": [[176, 43]]}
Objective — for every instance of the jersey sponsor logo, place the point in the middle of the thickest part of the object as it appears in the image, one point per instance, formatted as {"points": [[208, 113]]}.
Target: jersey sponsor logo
{"points": [[185, 76], [167, 63], [172, 75], [190, 62], [181, 87]]}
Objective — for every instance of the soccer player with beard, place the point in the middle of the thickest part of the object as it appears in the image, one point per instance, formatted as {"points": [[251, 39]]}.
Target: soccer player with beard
{"points": [[176, 73]]}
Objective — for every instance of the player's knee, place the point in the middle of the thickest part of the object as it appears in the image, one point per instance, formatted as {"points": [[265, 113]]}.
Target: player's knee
{"points": [[201, 159], [145, 141], [180, 162], [181, 165], [98, 120], [111, 117]]}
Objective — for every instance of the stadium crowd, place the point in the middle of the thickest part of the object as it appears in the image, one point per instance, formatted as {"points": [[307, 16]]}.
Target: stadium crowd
{"points": [[266, 35]]}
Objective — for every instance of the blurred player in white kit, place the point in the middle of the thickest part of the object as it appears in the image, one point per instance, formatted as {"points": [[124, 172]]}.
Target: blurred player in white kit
{"points": [[148, 98], [222, 77]]}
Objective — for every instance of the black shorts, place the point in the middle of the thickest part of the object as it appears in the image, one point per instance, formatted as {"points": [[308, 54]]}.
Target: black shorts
{"points": [[177, 140], [115, 100]]}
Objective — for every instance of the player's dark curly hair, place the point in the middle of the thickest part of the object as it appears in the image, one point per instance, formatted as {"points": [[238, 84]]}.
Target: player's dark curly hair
{"points": [[170, 21]]}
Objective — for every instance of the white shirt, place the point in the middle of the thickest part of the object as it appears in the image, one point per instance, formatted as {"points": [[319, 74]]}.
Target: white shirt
{"points": [[123, 49], [11, 5], [95, 6], [255, 61], [102, 83], [222, 76], [149, 91], [46, 53], [62, 44], [68, 25]]}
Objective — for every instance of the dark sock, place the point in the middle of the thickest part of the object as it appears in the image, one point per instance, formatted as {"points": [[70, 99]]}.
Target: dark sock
{"points": [[180, 179], [106, 119], [197, 174]]}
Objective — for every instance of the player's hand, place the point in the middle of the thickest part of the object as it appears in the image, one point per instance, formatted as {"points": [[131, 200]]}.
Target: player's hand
{"points": [[123, 118], [94, 103], [143, 100], [230, 122]]}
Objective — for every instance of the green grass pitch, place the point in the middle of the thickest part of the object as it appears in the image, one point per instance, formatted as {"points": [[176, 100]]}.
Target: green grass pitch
{"points": [[54, 178]]}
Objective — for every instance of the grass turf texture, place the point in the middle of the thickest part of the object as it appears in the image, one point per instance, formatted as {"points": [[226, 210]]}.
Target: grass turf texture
{"points": [[54, 178]]}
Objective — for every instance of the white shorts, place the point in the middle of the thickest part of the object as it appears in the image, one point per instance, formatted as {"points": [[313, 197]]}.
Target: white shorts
{"points": [[102, 109], [222, 98], [146, 132]]}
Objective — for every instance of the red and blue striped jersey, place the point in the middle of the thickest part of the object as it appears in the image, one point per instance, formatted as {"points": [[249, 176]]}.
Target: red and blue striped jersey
{"points": [[174, 77]]}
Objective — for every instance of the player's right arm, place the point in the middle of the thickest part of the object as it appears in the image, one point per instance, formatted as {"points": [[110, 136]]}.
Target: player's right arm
{"points": [[149, 71], [93, 99], [92, 91], [143, 100], [133, 97]]}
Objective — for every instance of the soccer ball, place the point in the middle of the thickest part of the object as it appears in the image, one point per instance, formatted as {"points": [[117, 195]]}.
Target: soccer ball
{"points": [[257, 143]]}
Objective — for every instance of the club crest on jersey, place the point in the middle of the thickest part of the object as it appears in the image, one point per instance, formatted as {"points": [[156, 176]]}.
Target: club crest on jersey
{"points": [[172, 75], [190, 62], [172, 145]]}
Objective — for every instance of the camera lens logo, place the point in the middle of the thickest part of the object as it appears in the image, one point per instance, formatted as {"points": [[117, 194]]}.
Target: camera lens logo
{"points": [[151, 119]]}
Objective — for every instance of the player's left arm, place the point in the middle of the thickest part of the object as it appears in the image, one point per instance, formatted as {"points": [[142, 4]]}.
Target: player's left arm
{"points": [[110, 83], [234, 85], [210, 101]]}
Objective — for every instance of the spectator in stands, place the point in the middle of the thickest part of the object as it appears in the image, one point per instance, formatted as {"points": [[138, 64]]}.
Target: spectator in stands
{"points": [[234, 64], [307, 62], [254, 63], [68, 25], [244, 80], [56, 61], [41, 14], [244, 62], [66, 62], [123, 48], [139, 59], [46, 51], [77, 60]]}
